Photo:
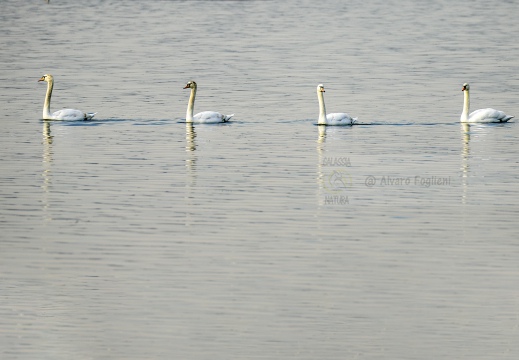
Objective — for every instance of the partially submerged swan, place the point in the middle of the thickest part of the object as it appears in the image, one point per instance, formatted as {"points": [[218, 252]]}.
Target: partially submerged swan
{"points": [[65, 114], [488, 115], [204, 117], [333, 118]]}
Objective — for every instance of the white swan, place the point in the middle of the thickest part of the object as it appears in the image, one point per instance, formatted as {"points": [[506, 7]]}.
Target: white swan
{"points": [[204, 117], [333, 118], [488, 115], [65, 114]]}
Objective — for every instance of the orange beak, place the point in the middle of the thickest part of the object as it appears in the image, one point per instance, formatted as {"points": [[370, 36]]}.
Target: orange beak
{"points": [[42, 79]]}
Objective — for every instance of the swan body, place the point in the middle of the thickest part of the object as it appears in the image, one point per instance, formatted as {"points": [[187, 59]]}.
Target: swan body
{"points": [[65, 114], [204, 117], [488, 115], [336, 119]]}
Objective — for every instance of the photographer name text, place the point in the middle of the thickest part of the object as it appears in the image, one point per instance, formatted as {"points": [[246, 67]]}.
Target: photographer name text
{"points": [[423, 181]]}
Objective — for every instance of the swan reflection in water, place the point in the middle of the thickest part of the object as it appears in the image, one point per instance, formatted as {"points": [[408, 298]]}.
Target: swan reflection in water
{"points": [[465, 154], [477, 130], [191, 171], [333, 179], [191, 157], [47, 159], [321, 142], [190, 137]]}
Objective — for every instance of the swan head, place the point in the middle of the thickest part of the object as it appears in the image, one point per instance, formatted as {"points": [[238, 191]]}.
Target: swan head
{"points": [[320, 88], [190, 85], [466, 87], [47, 78]]}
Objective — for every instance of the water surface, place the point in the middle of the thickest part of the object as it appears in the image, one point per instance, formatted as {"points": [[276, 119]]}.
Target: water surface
{"points": [[137, 236]]}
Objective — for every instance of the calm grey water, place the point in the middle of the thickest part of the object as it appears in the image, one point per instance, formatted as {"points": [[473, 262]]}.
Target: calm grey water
{"points": [[135, 236]]}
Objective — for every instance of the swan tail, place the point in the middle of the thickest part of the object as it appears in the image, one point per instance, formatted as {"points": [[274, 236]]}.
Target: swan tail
{"points": [[508, 117], [89, 116], [227, 117], [354, 120]]}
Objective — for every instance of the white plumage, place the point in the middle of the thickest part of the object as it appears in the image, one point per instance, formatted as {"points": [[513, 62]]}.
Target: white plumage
{"points": [[337, 119], [204, 117], [488, 115], [64, 114]]}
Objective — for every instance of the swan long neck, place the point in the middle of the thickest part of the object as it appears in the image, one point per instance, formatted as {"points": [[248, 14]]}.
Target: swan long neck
{"points": [[466, 106], [46, 104], [191, 105], [322, 108]]}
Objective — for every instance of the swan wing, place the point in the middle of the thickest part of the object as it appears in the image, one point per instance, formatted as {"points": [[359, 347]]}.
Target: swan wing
{"points": [[71, 114], [488, 115], [211, 117], [339, 119]]}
